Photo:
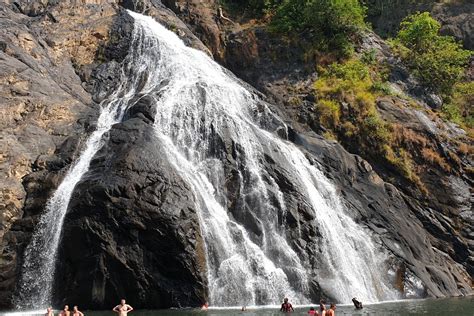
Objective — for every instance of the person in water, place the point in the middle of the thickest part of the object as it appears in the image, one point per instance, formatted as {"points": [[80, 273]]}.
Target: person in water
{"points": [[286, 306], [332, 310], [49, 311], [123, 308], [65, 311], [322, 307], [312, 312], [76, 311], [205, 306], [357, 304]]}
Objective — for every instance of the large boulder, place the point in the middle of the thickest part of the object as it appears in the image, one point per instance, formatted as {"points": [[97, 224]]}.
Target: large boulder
{"points": [[132, 229]]}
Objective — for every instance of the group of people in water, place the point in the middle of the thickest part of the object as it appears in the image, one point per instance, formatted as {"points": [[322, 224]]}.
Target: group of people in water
{"points": [[121, 309], [323, 311], [65, 311]]}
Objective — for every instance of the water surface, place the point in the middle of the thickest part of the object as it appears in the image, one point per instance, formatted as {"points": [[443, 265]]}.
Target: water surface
{"points": [[428, 307]]}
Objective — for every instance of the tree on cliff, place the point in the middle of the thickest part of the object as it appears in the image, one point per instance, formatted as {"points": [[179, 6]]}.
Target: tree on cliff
{"points": [[437, 61], [329, 24]]}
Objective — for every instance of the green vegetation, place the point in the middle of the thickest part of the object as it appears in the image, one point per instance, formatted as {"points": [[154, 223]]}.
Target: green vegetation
{"points": [[437, 61], [330, 25], [346, 108], [459, 108], [251, 8], [358, 125]]}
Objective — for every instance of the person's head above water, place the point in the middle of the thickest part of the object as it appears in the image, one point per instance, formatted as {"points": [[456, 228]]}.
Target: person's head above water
{"points": [[66, 307], [333, 306], [285, 300], [311, 308], [75, 308], [122, 301]]}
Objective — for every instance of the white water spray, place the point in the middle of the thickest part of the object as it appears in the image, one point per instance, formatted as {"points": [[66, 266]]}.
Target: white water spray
{"points": [[201, 102]]}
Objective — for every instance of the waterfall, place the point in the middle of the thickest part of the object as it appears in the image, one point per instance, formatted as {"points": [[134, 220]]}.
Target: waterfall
{"points": [[198, 104]]}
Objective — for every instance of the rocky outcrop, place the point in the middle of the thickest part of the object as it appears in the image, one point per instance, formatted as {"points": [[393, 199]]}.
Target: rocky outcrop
{"points": [[43, 107], [389, 213], [444, 160], [132, 229]]}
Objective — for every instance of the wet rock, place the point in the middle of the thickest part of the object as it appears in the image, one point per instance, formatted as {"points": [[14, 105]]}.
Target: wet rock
{"points": [[132, 229]]}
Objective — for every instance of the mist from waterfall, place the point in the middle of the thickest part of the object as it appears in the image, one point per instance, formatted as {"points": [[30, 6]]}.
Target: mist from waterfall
{"points": [[198, 103]]}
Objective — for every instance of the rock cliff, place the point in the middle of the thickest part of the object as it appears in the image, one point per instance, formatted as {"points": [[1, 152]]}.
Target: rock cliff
{"points": [[59, 60]]}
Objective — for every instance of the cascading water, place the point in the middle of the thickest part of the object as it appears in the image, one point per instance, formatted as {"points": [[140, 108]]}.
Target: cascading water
{"points": [[201, 102], [197, 102], [35, 287]]}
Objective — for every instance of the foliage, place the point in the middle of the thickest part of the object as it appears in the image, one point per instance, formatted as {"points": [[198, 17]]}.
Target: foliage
{"points": [[328, 24], [351, 83], [346, 110], [369, 57], [328, 113], [459, 108], [437, 61], [250, 8]]}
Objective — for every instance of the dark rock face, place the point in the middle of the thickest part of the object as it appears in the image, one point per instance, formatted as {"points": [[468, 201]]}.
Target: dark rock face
{"points": [[54, 79], [391, 215], [447, 214], [132, 229]]}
